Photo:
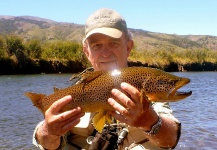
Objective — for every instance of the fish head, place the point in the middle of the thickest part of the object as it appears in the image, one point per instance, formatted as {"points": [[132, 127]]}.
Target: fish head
{"points": [[165, 88], [176, 95]]}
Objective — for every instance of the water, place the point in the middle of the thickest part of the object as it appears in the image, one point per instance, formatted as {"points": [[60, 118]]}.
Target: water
{"points": [[18, 117], [198, 112]]}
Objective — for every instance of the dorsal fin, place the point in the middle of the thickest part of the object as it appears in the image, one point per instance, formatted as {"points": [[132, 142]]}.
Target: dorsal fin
{"points": [[55, 89], [90, 76], [80, 74]]}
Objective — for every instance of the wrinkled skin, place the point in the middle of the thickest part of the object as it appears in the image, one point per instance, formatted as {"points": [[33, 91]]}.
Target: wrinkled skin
{"points": [[59, 123], [135, 112]]}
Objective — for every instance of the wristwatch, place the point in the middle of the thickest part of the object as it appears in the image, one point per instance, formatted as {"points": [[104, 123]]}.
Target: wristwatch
{"points": [[155, 128]]}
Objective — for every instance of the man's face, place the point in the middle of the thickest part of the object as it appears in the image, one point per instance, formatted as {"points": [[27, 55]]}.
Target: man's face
{"points": [[107, 53]]}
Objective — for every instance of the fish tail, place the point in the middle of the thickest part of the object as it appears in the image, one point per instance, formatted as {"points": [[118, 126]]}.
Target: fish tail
{"points": [[36, 99]]}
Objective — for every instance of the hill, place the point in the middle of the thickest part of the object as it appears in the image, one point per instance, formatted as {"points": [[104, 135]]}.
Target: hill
{"points": [[29, 27]]}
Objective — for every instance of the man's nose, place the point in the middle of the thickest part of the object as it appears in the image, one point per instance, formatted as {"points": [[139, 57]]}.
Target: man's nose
{"points": [[106, 52]]}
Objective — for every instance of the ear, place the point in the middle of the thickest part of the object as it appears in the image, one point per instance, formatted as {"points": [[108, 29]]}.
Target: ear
{"points": [[130, 44], [85, 50]]}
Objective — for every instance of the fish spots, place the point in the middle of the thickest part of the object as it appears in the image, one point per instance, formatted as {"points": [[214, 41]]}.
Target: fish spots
{"points": [[92, 93]]}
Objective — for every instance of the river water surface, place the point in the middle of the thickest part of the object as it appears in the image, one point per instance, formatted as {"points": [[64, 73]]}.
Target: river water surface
{"points": [[18, 117]]}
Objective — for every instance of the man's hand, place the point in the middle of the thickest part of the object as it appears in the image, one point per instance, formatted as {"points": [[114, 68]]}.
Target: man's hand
{"points": [[58, 123], [132, 110]]}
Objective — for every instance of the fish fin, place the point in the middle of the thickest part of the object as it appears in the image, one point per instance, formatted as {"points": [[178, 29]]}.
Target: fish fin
{"points": [[100, 119], [76, 79], [90, 76], [80, 74], [36, 99], [143, 97], [56, 89]]}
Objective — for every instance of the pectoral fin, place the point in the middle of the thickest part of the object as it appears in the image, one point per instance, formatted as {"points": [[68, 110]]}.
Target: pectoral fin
{"points": [[100, 119], [143, 97]]}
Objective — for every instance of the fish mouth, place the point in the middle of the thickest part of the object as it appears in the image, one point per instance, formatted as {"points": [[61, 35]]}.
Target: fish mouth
{"points": [[182, 94], [176, 95]]}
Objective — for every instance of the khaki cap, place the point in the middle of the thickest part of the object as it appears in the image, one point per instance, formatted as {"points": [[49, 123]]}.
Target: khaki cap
{"points": [[105, 21]]}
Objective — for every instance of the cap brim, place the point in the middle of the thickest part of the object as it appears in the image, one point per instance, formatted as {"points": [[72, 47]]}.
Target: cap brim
{"points": [[112, 32]]}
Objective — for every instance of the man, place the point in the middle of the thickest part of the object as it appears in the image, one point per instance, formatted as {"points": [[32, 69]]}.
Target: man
{"points": [[107, 45]]}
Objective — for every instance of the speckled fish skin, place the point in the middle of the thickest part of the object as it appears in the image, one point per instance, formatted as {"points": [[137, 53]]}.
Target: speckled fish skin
{"points": [[92, 95], [93, 91]]}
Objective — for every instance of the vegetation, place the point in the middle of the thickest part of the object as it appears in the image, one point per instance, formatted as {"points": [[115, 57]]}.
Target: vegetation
{"points": [[166, 57], [34, 56], [36, 45]]}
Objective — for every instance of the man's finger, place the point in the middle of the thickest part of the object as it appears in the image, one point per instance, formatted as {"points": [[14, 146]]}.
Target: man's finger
{"points": [[56, 106], [123, 98], [134, 93], [70, 114]]}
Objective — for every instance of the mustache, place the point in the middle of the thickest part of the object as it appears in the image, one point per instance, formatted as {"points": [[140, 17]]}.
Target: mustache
{"points": [[108, 59]]}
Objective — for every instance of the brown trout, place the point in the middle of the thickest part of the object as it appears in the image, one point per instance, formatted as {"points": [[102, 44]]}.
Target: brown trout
{"points": [[94, 89]]}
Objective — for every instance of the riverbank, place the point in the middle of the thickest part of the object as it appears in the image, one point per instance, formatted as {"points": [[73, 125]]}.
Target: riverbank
{"points": [[175, 67], [40, 66]]}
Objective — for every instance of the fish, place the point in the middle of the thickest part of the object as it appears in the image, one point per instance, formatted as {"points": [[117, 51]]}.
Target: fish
{"points": [[94, 88]]}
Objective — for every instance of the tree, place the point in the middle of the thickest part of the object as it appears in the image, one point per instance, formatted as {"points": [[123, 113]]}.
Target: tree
{"points": [[2, 47], [61, 50], [33, 49], [14, 44]]}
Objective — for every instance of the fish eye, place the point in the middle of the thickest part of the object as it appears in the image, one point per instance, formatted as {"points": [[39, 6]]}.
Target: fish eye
{"points": [[173, 81]]}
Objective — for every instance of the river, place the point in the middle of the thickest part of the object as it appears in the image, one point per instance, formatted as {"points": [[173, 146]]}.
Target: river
{"points": [[18, 117]]}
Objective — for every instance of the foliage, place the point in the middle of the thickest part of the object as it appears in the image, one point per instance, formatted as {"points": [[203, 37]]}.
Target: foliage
{"points": [[2, 47], [160, 57], [33, 43], [61, 50], [34, 49], [59, 55], [46, 30], [14, 44]]}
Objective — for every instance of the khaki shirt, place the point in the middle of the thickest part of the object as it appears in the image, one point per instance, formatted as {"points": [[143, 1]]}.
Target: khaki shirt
{"points": [[136, 138]]}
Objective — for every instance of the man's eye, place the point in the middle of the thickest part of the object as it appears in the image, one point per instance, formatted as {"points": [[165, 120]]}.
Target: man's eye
{"points": [[114, 44], [96, 46]]}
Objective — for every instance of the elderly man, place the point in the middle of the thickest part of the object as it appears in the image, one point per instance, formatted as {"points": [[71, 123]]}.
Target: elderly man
{"points": [[107, 45]]}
